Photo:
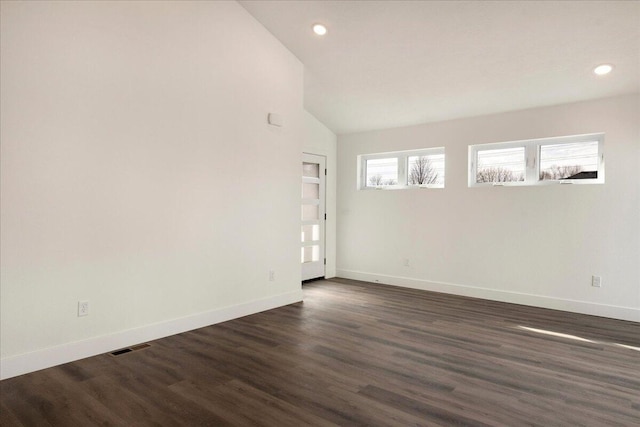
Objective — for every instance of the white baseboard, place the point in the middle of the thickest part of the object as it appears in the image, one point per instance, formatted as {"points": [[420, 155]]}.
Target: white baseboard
{"points": [[46, 358], [583, 307]]}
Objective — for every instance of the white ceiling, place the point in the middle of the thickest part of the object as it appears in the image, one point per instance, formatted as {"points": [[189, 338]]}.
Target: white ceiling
{"points": [[395, 63]]}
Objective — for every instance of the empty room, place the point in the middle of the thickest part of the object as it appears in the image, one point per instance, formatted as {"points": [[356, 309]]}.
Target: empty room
{"points": [[292, 213]]}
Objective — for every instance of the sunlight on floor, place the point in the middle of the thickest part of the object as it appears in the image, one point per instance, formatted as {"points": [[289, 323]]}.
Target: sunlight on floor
{"points": [[555, 334], [574, 337], [630, 347]]}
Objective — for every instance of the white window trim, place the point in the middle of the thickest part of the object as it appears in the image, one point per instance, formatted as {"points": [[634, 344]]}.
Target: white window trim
{"points": [[403, 159], [532, 160]]}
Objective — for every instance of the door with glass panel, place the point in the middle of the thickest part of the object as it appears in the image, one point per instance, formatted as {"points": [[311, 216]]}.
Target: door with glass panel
{"points": [[313, 216]]}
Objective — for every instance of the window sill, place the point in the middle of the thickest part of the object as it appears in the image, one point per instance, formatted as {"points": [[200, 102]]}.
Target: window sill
{"points": [[404, 187], [538, 183]]}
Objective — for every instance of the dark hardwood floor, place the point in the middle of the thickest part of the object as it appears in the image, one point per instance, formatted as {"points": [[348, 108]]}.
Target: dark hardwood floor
{"points": [[355, 354]]}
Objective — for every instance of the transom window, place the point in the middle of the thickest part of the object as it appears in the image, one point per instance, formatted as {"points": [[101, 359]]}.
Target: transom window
{"points": [[402, 169], [564, 160]]}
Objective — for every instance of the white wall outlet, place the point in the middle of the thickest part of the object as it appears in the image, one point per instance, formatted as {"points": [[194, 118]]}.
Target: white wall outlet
{"points": [[272, 275], [83, 308], [405, 262], [596, 281]]}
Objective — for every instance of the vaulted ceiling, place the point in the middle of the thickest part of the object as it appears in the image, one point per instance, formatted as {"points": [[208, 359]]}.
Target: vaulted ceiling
{"points": [[386, 64]]}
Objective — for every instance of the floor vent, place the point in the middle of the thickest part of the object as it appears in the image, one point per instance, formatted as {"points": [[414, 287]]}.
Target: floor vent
{"points": [[130, 349], [140, 347]]}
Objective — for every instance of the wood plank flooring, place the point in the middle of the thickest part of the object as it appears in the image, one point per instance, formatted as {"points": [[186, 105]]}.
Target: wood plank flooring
{"points": [[354, 354]]}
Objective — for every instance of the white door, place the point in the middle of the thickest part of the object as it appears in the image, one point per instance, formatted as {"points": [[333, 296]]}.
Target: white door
{"points": [[313, 216]]}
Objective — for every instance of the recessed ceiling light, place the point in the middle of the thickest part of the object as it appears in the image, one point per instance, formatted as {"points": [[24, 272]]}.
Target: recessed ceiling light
{"points": [[319, 29], [603, 69]]}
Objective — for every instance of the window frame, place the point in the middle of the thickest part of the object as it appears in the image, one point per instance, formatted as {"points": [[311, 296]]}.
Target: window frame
{"points": [[403, 166], [532, 159]]}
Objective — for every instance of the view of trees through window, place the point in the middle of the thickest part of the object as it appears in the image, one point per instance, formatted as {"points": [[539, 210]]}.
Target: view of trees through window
{"points": [[403, 169], [382, 172], [424, 170], [577, 160], [501, 165], [532, 162], [568, 159]]}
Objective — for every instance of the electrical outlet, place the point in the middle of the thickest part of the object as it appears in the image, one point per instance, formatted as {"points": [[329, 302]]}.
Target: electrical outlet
{"points": [[596, 281], [83, 308], [406, 262], [272, 275]]}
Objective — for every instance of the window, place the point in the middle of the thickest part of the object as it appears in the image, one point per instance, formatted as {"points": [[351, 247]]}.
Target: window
{"points": [[402, 169], [382, 172], [564, 160], [501, 165], [426, 169], [574, 160]]}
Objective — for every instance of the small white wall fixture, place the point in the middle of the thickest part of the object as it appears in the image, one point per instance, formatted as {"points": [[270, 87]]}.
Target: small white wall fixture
{"points": [[275, 119]]}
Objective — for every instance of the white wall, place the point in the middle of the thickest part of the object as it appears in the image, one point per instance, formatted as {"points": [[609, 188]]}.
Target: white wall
{"points": [[139, 173], [320, 140], [530, 245]]}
